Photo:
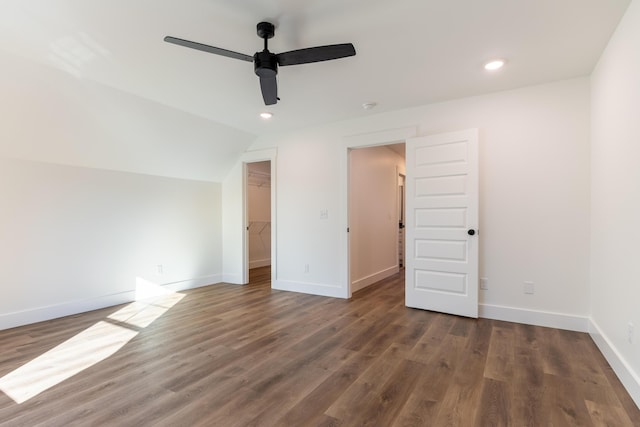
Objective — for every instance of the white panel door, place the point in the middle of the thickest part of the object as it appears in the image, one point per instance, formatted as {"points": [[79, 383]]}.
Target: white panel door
{"points": [[441, 223]]}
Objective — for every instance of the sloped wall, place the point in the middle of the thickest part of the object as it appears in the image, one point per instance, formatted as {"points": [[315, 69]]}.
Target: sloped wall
{"points": [[51, 116], [87, 207]]}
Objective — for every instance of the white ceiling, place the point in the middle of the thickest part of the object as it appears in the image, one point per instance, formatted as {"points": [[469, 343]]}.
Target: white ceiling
{"points": [[409, 52]]}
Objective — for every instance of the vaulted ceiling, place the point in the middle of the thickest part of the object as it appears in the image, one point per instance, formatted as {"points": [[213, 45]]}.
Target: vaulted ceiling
{"points": [[409, 52]]}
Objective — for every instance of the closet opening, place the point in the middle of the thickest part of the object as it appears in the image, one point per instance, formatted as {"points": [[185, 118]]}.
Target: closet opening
{"points": [[258, 193]]}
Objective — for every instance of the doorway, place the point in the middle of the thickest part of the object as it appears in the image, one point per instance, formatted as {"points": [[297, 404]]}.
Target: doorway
{"points": [[376, 211], [258, 199]]}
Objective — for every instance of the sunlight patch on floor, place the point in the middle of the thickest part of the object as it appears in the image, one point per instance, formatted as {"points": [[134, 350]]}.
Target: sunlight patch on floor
{"points": [[90, 346]]}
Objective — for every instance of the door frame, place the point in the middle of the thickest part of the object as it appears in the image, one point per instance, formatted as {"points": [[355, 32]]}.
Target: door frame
{"points": [[402, 215], [253, 157], [373, 139]]}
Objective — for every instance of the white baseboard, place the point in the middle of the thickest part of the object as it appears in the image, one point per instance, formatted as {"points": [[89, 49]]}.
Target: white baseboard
{"points": [[310, 288], [234, 279], [41, 314], [199, 282], [362, 283], [260, 263], [629, 378], [534, 317]]}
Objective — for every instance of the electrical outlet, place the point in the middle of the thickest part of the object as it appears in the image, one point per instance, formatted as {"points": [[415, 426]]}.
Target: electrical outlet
{"points": [[529, 288], [484, 283], [630, 332], [160, 270], [324, 214], [306, 268]]}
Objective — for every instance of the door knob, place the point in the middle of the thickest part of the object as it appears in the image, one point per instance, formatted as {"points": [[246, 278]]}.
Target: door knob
{"points": [[471, 232]]}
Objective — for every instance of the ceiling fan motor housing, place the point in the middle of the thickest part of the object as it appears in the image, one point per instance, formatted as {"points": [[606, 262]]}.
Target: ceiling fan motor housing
{"points": [[265, 64]]}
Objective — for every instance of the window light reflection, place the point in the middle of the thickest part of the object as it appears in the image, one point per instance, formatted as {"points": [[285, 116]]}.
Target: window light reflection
{"points": [[90, 346]]}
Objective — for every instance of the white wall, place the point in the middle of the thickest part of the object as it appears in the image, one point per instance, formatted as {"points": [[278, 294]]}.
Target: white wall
{"points": [[615, 200], [233, 225], [309, 186], [75, 239], [534, 198], [373, 214]]}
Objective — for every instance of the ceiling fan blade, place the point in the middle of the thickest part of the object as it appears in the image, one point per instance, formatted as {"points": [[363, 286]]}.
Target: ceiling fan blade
{"points": [[207, 48], [316, 54], [269, 88]]}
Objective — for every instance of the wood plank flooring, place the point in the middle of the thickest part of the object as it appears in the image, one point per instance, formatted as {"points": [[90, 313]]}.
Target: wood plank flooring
{"points": [[228, 355]]}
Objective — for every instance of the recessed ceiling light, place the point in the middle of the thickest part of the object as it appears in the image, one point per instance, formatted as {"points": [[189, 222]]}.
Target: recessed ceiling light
{"points": [[266, 115], [369, 105], [493, 65]]}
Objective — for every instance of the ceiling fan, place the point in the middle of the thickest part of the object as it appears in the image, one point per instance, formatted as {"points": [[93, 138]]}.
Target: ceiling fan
{"points": [[266, 64]]}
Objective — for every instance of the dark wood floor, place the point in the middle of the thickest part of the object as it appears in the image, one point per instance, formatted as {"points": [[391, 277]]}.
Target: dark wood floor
{"points": [[229, 355]]}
